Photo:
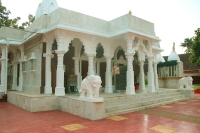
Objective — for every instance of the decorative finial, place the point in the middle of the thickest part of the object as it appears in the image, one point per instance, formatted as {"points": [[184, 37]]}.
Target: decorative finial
{"points": [[130, 12], [173, 48], [11, 24]]}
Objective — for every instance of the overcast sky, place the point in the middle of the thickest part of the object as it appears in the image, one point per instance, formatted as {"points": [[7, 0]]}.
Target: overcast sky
{"points": [[174, 20]]}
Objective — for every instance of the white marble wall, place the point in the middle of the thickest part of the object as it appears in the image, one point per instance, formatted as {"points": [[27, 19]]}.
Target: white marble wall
{"points": [[32, 80]]}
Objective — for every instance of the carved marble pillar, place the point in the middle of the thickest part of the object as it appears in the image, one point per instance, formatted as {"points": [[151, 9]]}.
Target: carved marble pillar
{"points": [[90, 64], [155, 75], [3, 69], [98, 68], [95, 67], [130, 88], [21, 73], [141, 76], [151, 87], [108, 87], [61, 49], [60, 90], [48, 88]]}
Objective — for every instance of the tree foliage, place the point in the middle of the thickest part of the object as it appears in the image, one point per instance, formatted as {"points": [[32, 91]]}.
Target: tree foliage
{"points": [[195, 54], [187, 44], [6, 21]]}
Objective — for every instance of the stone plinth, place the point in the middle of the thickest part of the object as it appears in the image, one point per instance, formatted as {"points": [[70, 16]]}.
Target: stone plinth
{"points": [[169, 82], [188, 92]]}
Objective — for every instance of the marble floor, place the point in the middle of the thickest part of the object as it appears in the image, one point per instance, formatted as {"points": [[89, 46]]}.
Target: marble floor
{"points": [[16, 120]]}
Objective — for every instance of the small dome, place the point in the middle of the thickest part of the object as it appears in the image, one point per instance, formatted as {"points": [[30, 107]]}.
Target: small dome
{"points": [[160, 58], [173, 55], [46, 7]]}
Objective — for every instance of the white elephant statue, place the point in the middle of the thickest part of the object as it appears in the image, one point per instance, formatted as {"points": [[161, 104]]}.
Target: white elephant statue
{"points": [[91, 85], [187, 81]]}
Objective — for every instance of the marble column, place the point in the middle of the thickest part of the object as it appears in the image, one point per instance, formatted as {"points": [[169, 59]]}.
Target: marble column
{"points": [[141, 76], [48, 88], [21, 73], [108, 87], [98, 68], [95, 67], [60, 90], [130, 88], [155, 75], [3, 69], [90, 64], [151, 87]]}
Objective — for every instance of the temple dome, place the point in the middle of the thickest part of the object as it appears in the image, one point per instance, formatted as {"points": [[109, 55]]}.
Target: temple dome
{"points": [[46, 7], [173, 55], [160, 58]]}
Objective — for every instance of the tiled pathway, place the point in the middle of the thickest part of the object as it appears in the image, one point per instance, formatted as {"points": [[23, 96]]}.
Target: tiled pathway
{"points": [[16, 120]]}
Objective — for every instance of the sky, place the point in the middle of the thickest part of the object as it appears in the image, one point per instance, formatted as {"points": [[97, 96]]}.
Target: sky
{"points": [[174, 20]]}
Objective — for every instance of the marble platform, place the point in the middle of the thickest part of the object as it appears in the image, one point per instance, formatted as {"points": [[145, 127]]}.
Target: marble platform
{"points": [[106, 105]]}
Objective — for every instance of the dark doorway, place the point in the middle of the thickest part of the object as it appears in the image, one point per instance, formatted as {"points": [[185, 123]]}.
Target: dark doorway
{"points": [[84, 69], [102, 73], [53, 72], [18, 73]]}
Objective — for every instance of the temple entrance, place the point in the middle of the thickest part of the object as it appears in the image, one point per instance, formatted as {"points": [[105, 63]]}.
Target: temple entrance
{"points": [[18, 73], [68, 65], [53, 67], [102, 73], [84, 69]]}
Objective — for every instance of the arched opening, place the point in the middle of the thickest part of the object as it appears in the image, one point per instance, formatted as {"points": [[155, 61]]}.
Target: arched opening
{"points": [[18, 58], [102, 67], [68, 65], [119, 80], [10, 70], [84, 62]]}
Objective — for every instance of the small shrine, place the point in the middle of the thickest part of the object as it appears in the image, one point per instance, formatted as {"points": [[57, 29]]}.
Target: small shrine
{"points": [[170, 71]]}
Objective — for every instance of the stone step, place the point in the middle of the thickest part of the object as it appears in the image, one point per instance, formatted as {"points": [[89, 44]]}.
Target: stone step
{"points": [[118, 112], [122, 101], [140, 103], [122, 96]]}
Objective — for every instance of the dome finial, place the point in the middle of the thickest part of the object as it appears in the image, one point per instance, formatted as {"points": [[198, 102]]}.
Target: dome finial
{"points": [[11, 24], [130, 12], [173, 48]]}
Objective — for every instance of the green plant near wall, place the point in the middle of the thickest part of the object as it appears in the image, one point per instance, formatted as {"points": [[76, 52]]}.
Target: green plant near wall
{"points": [[146, 81], [195, 87]]}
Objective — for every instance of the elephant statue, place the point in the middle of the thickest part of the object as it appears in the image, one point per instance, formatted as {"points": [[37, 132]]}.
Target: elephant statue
{"points": [[90, 85], [187, 81]]}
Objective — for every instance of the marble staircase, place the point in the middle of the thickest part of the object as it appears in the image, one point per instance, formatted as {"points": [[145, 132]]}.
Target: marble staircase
{"points": [[121, 104]]}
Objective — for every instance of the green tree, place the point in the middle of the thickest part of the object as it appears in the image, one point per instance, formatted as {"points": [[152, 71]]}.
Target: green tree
{"points": [[4, 18], [4, 15], [31, 18], [195, 55], [187, 44], [6, 21]]}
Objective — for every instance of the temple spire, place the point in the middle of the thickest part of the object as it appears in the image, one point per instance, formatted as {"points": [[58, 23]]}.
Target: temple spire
{"points": [[173, 48]]}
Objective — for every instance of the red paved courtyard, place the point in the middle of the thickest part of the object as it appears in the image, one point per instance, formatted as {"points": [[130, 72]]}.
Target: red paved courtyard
{"points": [[16, 120]]}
